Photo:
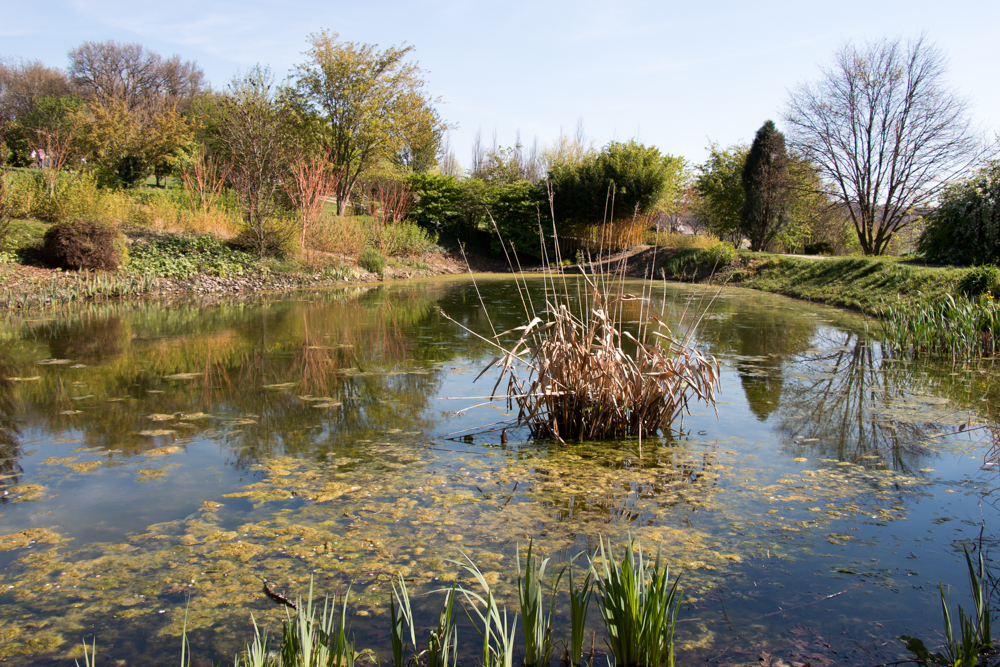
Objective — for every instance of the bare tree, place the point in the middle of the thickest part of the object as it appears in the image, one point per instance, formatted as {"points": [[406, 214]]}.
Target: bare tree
{"points": [[447, 161], [254, 144], [478, 153], [23, 84], [885, 131], [110, 72]]}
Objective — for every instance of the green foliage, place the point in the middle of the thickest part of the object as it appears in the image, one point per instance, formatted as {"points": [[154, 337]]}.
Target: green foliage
{"points": [[403, 239], [517, 209], [74, 195], [965, 227], [182, 256], [639, 607], [84, 244], [437, 202], [579, 603], [372, 261], [629, 178], [274, 236], [975, 633], [961, 328], [764, 178], [980, 280], [720, 189], [536, 623], [127, 144], [367, 105], [818, 248], [498, 629], [442, 641]]}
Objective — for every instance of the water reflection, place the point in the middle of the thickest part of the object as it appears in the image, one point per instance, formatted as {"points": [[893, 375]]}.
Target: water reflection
{"points": [[10, 450], [762, 340], [281, 439], [291, 377], [848, 403]]}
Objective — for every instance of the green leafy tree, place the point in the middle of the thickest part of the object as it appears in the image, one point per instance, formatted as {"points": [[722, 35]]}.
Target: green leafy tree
{"points": [[813, 216], [623, 179], [765, 187], [720, 189], [437, 203], [363, 104], [965, 227], [126, 146], [516, 208]]}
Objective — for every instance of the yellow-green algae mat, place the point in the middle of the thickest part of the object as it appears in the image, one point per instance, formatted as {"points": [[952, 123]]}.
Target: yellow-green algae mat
{"points": [[409, 509]]}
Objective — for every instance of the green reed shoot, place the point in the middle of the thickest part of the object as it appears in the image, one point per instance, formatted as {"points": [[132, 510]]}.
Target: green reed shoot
{"points": [[256, 654], [579, 602], [400, 614], [975, 634], [639, 607], [537, 625], [442, 643], [498, 629], [89, 657], [308, 641]]}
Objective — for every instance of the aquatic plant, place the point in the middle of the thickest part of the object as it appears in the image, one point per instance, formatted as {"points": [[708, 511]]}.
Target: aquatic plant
{"points": [[307, 639], [579, 603], [498, 628], [961, 328], [975, 634], [639, 607], [536, 623], [585, 383], [442, 641]]}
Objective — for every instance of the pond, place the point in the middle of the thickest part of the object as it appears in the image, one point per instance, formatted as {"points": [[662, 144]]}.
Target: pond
{"points": [[158, 463]]}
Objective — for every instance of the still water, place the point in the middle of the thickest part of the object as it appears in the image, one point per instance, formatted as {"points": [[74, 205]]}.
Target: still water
{"points": [[162, 462]]}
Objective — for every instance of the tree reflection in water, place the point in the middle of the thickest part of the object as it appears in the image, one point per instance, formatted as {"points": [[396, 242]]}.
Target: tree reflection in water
{"points": [[10, 450]]}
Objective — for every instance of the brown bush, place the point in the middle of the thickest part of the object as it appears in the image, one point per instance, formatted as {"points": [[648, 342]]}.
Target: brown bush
{"points": [[84, 244]]}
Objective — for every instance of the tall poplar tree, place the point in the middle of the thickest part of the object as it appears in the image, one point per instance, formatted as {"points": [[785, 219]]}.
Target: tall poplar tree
{"points": [[766, 195]]}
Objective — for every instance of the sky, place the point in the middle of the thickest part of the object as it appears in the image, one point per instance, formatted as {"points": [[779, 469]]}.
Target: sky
{"points": [[678, 76]]}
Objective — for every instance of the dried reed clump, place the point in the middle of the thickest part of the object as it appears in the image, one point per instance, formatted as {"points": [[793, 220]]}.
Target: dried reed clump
{"points": [[590, 379]]}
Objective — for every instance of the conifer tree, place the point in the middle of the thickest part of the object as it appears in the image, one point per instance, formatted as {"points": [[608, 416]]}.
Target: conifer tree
{"points": [[765, 187]]}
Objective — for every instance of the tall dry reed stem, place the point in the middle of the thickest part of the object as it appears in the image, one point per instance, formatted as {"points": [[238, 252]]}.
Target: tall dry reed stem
{"points": [[591, 379]]}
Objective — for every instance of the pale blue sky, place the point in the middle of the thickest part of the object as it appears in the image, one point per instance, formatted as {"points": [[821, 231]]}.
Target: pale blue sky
{"points": [[675, 75]]}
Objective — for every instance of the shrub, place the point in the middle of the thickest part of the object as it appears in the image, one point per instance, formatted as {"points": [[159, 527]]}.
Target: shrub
{"points": [[271, 237], [818, 248], [980, 280], [370, 260], [346, 235], [965, 228], [717, 256], [674, 240], [403, 238], [85, 244]]}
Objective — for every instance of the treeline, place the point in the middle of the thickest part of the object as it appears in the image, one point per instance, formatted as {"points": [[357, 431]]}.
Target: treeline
{"points": [[353, 129]]}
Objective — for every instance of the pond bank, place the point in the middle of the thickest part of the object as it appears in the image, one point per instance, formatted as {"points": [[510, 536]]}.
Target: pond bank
{"points": [[858, 283]]}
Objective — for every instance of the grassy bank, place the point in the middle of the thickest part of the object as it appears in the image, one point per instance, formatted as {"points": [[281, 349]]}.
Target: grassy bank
{"points": [[861, 283]]}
